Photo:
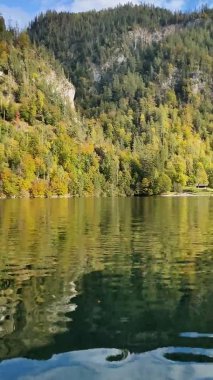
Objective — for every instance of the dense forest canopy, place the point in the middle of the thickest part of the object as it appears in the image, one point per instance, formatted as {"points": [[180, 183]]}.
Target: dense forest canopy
{"points": [[95, 46], [143, 117]]}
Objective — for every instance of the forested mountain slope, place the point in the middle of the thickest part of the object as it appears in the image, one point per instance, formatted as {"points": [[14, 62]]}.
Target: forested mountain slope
{"points": [[38, 122], [144, 88], [145, 75], [97, 49]]}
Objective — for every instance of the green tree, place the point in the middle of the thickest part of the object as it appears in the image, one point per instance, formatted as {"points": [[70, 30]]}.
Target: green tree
{"points": [[162, 184]]}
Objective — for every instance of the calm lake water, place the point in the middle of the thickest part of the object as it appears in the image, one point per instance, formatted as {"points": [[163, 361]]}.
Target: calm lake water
{"points": [[106, 289]]}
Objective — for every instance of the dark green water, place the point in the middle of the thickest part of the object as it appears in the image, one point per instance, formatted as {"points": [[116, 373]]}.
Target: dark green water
{"points": [[106, 289]]}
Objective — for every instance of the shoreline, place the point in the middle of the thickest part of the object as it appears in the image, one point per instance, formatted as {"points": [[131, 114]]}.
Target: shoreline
{"points": [[68, 196], [185, 194]]}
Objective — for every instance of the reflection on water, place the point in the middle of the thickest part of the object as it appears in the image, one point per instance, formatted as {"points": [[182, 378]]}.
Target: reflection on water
{"points": [[92, 364], [80, 275]]}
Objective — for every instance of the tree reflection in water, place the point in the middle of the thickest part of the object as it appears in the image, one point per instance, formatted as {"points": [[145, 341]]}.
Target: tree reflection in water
{"points": [[117, 273]]}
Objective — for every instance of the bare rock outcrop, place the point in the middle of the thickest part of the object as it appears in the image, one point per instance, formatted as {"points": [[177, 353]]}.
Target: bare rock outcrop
{"points": [[62, 87]]}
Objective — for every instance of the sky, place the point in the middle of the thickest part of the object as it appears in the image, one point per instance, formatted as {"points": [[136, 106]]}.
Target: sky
{"points": [[22, 11]]}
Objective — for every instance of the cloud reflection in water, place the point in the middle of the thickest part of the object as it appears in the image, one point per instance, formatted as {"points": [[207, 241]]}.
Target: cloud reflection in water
{"points": [[93, 365]]}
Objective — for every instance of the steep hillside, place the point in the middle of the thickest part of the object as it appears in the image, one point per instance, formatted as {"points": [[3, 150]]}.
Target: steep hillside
{"points": [[142, 121], [39, 126], [97, 47], [145, 76]]}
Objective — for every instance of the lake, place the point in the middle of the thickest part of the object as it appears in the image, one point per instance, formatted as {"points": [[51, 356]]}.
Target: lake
{"points": [[105, 289]]}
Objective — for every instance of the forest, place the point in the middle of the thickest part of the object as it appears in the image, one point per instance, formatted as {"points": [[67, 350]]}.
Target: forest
{"points": [[142, 121]]}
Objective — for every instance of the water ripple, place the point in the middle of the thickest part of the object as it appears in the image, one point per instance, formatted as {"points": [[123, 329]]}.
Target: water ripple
{"points": [[195, 335], [94, 365]]}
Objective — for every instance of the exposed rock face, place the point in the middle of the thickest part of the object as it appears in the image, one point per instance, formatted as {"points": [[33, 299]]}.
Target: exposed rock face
{"points": [[97, 71], [172, 79], [8, 86], [198, 82], [145, 37], [62, 87], [138, 36], [59, 85]]}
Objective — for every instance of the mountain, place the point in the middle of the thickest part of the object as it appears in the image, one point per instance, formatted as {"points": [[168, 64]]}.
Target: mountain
{"points": [[38, 121], [143, 116], [145, 75], [100, 50]]}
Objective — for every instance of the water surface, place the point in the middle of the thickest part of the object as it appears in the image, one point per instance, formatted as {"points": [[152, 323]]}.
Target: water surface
{"points": [[106, 289]]}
